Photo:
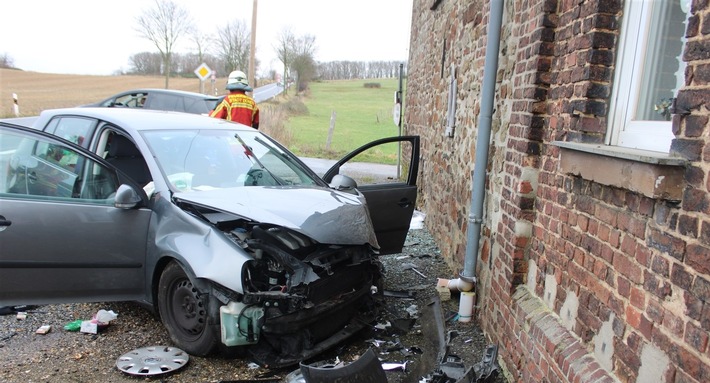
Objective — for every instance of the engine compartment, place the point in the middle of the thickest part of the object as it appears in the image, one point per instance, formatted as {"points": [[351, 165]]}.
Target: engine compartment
{"points": [[300, 297]]}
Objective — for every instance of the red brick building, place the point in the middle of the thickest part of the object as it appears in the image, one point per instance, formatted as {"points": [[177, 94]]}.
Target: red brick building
{"points": [[593, 263]]}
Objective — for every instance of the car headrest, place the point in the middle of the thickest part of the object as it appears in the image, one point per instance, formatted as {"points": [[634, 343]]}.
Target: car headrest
{"points": [[121, 146]]}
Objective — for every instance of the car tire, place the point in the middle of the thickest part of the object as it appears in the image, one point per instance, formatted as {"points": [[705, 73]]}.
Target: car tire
{"points": [[184, 311]]}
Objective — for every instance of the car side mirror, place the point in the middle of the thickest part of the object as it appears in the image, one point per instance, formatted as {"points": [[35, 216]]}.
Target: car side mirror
{"points": [[126, 197], [343, 183]]}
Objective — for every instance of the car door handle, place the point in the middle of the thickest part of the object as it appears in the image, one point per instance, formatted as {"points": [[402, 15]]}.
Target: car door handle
{"points": [[32, 177], [404, 203], [4, 224]]}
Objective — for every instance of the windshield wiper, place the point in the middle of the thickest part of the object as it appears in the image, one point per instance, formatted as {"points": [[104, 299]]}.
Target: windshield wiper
{"points": [[249, 153]]}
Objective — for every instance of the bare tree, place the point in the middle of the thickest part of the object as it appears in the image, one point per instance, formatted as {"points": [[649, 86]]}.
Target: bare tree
{"points": [[303, 62], [202, 42], [145, 63], [163, 26], [233, 46], [285, 46], [305, 46], [6, 61]]}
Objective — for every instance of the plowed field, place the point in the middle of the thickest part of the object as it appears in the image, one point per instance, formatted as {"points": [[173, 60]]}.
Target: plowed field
{"points": [[38, 91]]}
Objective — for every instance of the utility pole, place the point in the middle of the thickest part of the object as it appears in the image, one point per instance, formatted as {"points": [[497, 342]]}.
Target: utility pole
{"points": [[252, 48]]}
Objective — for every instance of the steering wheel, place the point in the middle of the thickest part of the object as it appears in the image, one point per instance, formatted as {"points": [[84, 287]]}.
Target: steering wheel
{"points": [[254, 177]]}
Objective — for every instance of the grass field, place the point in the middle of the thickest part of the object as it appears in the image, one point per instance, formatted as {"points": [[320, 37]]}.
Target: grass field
{"points": [[360, 114]]}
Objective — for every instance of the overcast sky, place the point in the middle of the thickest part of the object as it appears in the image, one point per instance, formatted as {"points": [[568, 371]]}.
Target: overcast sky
{"points": [[98, 37]]}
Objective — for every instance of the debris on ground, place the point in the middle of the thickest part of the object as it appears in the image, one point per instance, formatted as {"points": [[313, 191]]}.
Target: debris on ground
{"points": [[403, 336]]}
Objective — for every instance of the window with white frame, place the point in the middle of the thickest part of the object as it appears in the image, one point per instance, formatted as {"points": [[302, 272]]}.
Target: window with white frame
{"points": [[648, 74]]}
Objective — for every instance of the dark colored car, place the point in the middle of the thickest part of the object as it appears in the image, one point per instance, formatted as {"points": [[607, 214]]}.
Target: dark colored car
{"points": [[162, 99], [228, 236]]}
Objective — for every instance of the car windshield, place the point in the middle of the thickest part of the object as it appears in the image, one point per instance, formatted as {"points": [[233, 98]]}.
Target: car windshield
{"points": [[208, 159]]}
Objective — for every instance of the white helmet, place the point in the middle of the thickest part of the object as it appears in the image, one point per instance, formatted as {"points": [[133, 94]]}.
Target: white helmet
{"points": [[237, 80]]}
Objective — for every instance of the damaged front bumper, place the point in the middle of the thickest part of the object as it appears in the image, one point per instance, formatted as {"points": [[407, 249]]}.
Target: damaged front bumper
{"points": [[297, 306]]}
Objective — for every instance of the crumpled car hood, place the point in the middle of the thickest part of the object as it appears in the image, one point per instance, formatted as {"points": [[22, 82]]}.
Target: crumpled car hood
{"points": [[325, 215]]}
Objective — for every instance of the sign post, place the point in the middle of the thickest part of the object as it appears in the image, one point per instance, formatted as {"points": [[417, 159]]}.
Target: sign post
{"points": [[203, 72]]}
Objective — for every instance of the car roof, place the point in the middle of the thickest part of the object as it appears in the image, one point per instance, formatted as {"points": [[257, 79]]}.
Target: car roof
{"points": [[168, 91], [136, 119]]}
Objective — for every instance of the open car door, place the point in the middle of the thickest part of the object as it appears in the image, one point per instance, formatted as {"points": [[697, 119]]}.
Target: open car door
{"points": [[65, 235], [390, 189]]}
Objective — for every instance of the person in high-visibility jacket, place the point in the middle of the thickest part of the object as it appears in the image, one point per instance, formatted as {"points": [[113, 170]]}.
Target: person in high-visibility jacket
{"points": [[237, 106]]}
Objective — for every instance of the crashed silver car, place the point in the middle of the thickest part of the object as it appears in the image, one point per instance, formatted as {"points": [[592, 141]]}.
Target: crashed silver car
{"points": [[229, 237]]}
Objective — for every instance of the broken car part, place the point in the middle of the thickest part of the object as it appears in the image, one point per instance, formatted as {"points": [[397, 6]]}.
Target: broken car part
{"points": [[488, 366], [366, 368], [410, 266]]}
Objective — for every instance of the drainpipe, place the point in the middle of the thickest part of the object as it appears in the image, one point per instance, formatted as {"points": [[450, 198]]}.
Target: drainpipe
{"points": [[468, 276]]}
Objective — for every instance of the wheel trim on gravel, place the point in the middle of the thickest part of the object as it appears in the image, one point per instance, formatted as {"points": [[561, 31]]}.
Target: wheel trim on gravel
{"points": [[154, 360]]}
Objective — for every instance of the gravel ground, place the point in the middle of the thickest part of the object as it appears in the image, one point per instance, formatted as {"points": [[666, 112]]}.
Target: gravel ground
{"points": [[63, 356]]}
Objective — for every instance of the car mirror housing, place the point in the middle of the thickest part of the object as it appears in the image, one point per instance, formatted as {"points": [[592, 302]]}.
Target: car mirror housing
{"points": [[343, 183], [126, 197]]}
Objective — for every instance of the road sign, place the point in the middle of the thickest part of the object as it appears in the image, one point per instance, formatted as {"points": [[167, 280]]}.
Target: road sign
{"points": [[397, 113], [203, 71]]}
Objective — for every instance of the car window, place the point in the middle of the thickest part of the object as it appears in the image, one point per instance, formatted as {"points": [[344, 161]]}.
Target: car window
{"points": [[74, 129], [194, 105], [167, 102], [199, 106], [380, 164], [44, 169], [132, 100]]}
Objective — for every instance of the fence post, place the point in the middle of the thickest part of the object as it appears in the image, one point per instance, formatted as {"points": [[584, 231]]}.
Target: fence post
{"points": [[15, 105], [330, 130]]}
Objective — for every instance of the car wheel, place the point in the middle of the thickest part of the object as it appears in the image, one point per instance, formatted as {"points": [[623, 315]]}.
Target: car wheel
{"points": [[185, 312]]}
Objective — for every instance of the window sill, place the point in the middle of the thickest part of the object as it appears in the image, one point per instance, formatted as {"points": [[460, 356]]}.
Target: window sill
{"points": [[653, 174]]}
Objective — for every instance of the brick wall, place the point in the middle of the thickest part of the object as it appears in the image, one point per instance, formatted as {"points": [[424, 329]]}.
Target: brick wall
{"points": [[577, 280]]}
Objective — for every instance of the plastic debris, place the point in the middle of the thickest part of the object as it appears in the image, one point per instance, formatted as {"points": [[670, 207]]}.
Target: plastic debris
{"points": [[410, 266], [104, 317], [89, 327], [413, 311], [365, 369], [44, 329], [100, 320], [417, 221], [394, 366], [383, 326], [73, 325], [376, 342]]}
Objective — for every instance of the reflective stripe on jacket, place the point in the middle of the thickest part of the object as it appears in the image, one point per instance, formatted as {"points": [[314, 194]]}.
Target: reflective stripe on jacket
{"points": [[238, 107]]}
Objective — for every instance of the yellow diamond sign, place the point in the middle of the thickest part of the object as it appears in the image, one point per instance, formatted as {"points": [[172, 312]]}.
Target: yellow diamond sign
{"points": [[203, 71]]}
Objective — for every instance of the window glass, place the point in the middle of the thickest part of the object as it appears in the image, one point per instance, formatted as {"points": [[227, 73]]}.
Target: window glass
{"points": [[663, 68], [74, 129], [43, 169], [167, 102], [366, 169], [209, 159], [649, 72], [133, 100]]}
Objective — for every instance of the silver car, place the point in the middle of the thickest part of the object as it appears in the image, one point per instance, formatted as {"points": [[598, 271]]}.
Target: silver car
{"points": [[228, 236]]}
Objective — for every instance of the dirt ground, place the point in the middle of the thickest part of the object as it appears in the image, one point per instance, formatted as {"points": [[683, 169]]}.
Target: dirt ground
{"points": [[406, 333]]}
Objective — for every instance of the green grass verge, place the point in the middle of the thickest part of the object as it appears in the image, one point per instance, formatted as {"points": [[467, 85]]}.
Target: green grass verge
{"points": [[361, 115]]}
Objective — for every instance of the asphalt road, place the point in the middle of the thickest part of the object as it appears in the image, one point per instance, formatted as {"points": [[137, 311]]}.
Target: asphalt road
{"points": [[266, 92], [356, 169]]}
